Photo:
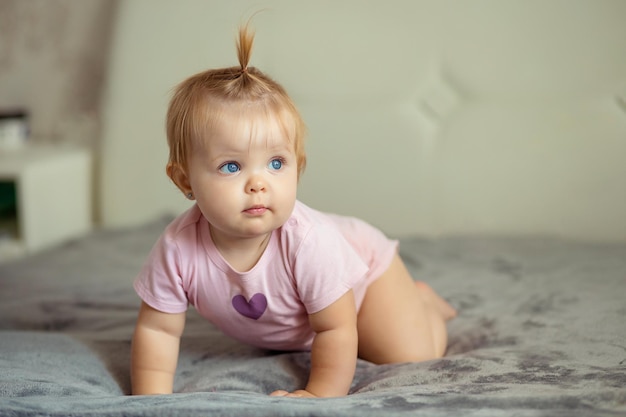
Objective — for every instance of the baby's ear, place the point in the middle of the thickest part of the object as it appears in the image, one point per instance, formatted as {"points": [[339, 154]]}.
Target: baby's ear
{"points": [[178, 174]]}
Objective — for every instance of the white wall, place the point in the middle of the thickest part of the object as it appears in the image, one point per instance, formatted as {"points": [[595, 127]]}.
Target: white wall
{"points": [[527, 135]]}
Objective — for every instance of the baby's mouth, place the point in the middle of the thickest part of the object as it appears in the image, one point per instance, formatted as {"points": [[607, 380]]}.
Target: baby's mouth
{"points": [[256, 210]]}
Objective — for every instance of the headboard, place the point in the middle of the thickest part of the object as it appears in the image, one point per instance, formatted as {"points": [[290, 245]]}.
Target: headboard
{"points": [[424, 116]]}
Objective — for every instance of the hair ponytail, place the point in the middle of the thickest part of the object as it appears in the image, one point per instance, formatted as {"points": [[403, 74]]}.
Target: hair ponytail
{"points": [[245, 41]]}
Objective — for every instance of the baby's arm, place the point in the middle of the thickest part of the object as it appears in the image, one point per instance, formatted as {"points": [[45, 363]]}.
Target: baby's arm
{"points": [[334, 350], [155, 347]]}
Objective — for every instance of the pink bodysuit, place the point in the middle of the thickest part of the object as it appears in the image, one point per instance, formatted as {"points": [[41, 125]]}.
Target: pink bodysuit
{"points": [[309, 263]]}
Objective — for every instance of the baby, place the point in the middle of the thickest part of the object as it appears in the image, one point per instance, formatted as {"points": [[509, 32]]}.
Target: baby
{"points": [[260, 265]]}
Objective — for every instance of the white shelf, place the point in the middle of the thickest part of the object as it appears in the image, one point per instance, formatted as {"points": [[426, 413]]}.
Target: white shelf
{"points": [[53, 193]]}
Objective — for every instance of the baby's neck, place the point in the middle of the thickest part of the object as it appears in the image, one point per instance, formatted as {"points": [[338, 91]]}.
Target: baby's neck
{"points": [[241, 253]]}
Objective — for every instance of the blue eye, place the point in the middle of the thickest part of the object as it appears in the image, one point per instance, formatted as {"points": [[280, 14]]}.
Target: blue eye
{"points": [[229, 168], [276, 164]]}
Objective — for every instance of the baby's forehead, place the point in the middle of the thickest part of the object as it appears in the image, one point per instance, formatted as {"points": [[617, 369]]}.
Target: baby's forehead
{"points": [[236, 141], [253, 129]]}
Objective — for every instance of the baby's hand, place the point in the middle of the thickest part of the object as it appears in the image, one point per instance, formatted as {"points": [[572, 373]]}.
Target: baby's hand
{"points": [[297, 394]]}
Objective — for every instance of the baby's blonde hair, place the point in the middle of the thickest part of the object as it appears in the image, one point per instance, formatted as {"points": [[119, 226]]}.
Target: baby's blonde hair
{"points": [[203, 100]]}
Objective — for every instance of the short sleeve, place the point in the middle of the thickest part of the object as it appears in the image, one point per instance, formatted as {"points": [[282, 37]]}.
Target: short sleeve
{"points": [[159, 283], [326, 267]]}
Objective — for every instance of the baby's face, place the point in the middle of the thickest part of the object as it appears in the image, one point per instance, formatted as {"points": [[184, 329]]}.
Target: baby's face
{"points": [[244, 178]]}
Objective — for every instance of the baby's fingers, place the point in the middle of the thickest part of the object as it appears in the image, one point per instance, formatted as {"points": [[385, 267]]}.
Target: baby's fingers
{"points": [[296, 394]]}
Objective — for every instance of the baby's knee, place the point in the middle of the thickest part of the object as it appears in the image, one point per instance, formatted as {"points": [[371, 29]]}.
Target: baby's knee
{"points": [[413, 357], [420, 351]]}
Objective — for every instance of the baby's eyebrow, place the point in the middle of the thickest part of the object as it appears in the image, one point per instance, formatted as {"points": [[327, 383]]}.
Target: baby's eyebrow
{"points": [[230, 152], [229, 156], [281, 145]]}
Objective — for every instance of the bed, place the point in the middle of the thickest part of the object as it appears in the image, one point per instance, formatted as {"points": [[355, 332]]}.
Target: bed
{"points": [[540, 331]]}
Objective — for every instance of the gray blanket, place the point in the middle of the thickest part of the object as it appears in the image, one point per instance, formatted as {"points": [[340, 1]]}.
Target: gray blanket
{"points": [[541, 331]]}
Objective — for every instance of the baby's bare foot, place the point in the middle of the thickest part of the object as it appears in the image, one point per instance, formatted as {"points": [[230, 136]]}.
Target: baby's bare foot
{"points": [[445, 309]]}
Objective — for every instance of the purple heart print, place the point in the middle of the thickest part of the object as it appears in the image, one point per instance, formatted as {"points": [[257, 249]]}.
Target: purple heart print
{"points": [[252, 309]]}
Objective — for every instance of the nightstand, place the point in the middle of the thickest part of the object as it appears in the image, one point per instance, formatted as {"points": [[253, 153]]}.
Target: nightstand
{"points": [[52, 195]]}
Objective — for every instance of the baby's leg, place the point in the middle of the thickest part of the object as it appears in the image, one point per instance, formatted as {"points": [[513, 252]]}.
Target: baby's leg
{"points": [[401, 320]]}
